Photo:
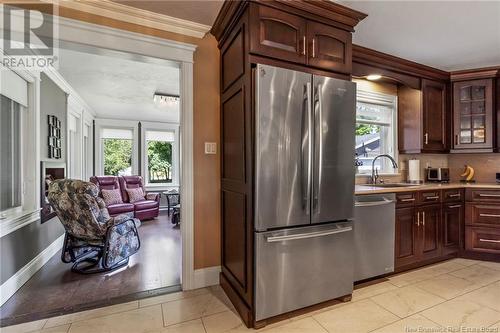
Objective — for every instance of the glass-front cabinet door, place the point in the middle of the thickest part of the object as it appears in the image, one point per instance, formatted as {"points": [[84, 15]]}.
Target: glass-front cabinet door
{"points": [[473, 111]]}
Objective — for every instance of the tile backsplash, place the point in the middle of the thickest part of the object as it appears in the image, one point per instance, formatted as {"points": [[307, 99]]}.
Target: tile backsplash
{"points": [[485, 166]]}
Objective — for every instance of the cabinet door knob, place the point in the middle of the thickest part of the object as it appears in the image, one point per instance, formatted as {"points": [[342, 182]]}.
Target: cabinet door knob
{"points": [[304, 45], [314, 48], [426, 138]]}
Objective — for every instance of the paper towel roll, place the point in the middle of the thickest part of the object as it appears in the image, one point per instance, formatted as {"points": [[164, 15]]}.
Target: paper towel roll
{"points": [[414, 171]]}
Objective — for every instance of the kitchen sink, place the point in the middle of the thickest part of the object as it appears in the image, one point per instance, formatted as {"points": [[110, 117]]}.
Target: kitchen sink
{"points": [[389, 185]]}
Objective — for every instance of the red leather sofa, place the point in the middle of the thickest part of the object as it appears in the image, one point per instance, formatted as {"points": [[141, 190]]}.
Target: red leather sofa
{"points": [[145, 209]]}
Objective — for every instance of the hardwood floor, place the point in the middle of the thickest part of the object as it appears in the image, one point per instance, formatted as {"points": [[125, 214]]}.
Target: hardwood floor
{"points": [[54, 289]]}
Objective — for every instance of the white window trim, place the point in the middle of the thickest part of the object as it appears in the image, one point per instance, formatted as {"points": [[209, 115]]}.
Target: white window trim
{"points": [[100, 124], [29, 211], [372, 97], [88, 156], [170, 127]]}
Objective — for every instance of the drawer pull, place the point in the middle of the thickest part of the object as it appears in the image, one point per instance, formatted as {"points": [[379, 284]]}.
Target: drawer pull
{"points": [[454, 195], [489, 240], [489, 195], [408, 200], [489, 215], [432, 198], [455, 206]]}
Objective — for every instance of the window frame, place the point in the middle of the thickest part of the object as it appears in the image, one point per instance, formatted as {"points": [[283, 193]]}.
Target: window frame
{"points": [[101, 124], [378, 98], [161, 127], [29, 211]]}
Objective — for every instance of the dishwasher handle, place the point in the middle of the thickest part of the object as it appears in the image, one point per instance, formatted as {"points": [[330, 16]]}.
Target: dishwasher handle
{"points": [[314, 234], [385, 201]]}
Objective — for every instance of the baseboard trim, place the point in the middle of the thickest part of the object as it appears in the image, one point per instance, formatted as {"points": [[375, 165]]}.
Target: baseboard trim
{"points": [[16, 281], [206, 277]]}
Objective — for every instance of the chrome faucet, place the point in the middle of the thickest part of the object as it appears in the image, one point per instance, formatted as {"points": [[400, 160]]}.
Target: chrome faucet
{"points": [[375, 175]]}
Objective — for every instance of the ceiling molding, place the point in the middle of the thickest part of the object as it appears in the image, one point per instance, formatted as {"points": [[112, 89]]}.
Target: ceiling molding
{"points": [[117, 11]]}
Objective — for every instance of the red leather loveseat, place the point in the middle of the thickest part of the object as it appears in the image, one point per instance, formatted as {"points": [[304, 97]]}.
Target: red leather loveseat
{"points": [[147, 208]]}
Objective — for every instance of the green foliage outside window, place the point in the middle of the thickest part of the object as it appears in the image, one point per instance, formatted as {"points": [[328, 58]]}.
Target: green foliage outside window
{"points": [[363, 129], [117, 156], [160, 161]]}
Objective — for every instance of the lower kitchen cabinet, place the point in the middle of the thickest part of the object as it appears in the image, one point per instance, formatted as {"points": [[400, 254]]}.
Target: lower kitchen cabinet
{"points": [[425, 231], [452, 229], [429, 225], [406, 251], [482, 224]]}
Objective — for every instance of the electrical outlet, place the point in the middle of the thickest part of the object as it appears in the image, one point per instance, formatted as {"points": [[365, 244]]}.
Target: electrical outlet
{"points": [[210, 148]]}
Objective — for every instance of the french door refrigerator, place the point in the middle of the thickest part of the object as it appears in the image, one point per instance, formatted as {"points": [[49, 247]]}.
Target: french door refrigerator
{"points": [[304, 190]]}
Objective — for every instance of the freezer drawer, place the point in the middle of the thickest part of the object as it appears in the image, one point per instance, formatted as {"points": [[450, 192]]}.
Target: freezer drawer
{"points": [[299, 267]]}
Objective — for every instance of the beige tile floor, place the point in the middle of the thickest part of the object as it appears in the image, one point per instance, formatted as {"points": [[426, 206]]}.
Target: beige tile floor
{"points": [[454, 296]]}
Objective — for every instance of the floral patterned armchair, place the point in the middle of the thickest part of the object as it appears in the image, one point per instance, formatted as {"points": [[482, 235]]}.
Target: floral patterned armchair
{"points": [[94, 241]]}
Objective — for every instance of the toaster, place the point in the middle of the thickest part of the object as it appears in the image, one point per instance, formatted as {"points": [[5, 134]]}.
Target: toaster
{"points": [[438, 175]]}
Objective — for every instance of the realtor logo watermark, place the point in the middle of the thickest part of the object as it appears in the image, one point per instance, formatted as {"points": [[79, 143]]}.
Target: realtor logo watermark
{"points": [[29, 35]]}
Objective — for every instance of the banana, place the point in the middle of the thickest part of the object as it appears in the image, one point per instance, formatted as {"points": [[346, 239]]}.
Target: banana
{"points": [[471, 174], [468, 173]]}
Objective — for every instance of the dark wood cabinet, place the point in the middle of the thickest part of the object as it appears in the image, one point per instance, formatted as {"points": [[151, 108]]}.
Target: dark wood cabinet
{"points": [[473, 126], [330, 48], [434, 116], [422, 118], [277, 34], [406, 251], [429, 218], [309, 36], [482, 224], [452, 229], [288, 37], [429, 226]]}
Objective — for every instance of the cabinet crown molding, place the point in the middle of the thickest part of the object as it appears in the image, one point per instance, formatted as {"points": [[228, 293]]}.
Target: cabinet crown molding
{"points": [[324, 11], [478, 73]]}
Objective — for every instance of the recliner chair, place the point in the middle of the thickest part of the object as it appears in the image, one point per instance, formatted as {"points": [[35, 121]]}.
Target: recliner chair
{"points": [[95, 242]]}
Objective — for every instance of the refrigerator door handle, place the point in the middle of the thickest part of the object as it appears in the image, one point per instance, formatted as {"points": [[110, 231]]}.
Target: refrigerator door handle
{"points": [[283, 238], [307, 155], [318, 131]]}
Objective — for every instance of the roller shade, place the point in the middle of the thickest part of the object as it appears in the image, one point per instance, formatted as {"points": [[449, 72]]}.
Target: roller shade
{"points": [[160, 136], [117, 133], [13, 86]]}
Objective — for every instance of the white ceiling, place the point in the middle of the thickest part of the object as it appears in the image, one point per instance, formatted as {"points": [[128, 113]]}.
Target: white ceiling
{"points": [[119, 88], [449, 35]]}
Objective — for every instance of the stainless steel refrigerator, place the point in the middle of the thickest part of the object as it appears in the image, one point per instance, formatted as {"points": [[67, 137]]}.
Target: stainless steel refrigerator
{"points": [[304, 190]]}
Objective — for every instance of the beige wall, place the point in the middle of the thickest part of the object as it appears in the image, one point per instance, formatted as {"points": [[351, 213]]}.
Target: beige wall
{"points": [[206, 167], [206, 128]]}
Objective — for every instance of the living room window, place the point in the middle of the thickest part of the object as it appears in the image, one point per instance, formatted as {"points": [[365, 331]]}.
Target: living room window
{"points": [[160, 154], [117, 146], [10, 163], [18, 144], [159, 147]]}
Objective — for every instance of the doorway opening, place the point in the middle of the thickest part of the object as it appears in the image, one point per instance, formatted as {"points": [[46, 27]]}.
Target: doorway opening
{"points": [[119, 123]]}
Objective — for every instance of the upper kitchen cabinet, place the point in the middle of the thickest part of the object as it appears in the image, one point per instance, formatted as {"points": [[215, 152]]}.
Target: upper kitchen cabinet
{"points": [[313, 34], [422, 118], [434, 116], [277, 34], [473, 114], [330, 48], [476, 110]]}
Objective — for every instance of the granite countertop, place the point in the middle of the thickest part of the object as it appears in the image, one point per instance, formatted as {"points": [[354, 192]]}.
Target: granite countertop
{"points": [[369, 189]]}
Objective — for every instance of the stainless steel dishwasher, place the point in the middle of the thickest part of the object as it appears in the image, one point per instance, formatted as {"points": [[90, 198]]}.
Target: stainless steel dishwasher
{"points": [[374, 235]]}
